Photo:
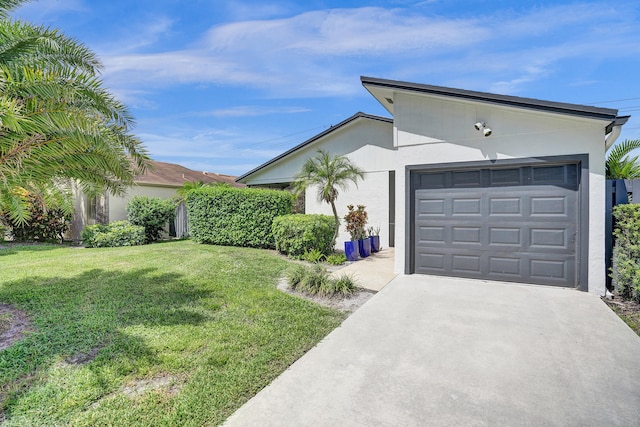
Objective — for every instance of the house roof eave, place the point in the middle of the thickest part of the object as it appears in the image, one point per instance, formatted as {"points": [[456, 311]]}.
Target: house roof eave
{"points": [[372, 83]]}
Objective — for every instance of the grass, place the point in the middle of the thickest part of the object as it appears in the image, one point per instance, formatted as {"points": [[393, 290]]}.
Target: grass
{"points": [[629, 312], [165, 334], [633, 320]]}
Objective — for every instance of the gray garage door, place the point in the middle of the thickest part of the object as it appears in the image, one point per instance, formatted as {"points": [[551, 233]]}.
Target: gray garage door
{"points": [[517, 224]]}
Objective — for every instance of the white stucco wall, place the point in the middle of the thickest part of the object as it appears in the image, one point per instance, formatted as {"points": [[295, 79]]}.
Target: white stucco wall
{"points": [[373, 192], [344, 141], [369, 145], [118, 204], [434, 131]]}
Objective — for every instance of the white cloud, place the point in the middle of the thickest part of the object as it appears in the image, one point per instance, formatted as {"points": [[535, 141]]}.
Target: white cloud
{"points": [[365, 31], [207, 144], [322, 53], [146, 32]]}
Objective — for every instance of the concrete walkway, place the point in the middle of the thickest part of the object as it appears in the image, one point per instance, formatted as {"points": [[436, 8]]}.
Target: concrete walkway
{"points": [[449, 352], [372, 272]]}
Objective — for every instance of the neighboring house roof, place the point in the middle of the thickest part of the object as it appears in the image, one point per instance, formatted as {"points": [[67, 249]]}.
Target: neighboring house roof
{"points": [[382, 90], [173, 175], [311, 140]]}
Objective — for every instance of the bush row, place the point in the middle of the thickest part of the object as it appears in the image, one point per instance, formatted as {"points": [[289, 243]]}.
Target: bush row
{"points": [[119, 233], [626, 254], [236, 217]]}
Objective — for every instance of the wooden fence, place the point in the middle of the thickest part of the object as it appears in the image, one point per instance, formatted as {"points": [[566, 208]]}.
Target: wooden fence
{"points": [[181, 221]]}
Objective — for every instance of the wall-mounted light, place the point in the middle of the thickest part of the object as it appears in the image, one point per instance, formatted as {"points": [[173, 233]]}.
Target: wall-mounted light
{"points": [[482, 127]]}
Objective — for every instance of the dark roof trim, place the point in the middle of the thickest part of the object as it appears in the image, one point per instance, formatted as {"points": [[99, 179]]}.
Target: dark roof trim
{"points": [[619, 121], [315, 138], [512, 101]]}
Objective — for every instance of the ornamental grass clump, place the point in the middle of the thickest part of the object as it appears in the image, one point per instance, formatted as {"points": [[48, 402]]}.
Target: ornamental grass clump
{"points": [[315, 280]]}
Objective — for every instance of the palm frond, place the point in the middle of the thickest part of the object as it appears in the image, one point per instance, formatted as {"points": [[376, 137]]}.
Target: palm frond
{"points": [[619, 165], [7, 6]]}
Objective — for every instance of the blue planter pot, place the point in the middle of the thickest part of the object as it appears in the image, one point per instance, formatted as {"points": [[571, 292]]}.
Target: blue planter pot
{"points": [[351, 250], [375, 243], [365, 247]]}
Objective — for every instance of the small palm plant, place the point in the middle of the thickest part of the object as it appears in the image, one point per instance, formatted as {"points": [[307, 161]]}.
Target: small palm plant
{"points": [[329, 173], [619, 164]]}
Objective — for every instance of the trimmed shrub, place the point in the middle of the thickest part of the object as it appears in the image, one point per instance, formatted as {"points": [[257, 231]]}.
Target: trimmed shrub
{"points": [[298, 234], [119, 233], [152, 213], [626, 255], [236, 216]]}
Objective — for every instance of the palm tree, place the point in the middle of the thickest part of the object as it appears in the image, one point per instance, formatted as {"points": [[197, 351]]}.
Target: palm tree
{"points": [[619, 165], [57, 121], [328, 173]]}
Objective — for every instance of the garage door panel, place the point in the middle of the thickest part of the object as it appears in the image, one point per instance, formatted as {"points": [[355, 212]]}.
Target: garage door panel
{"points": [[545, 238], [505, 266], [431, 207], [431, 263], [466, 206], [502, 177], [505, 206], [517, 224], [549, 206], [466, 264], [466, 179], [433, 235], [505, 236], [552, 271], [466, 235]]}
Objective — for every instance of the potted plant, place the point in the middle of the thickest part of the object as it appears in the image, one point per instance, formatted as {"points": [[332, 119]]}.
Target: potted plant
{"points": [[355, 220], [364, 245], [374, 237]]}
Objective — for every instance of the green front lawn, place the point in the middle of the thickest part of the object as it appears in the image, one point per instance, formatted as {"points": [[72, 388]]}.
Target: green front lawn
{"points": [[165, 334]]}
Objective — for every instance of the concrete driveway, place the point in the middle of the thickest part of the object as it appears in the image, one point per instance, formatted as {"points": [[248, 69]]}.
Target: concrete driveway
{"points": [[443, 351]]}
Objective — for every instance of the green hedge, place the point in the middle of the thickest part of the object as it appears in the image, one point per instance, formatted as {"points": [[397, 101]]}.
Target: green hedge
{"points": [[152, 213], [626, 255], [296, 234], [236, 216], [119, 233]]}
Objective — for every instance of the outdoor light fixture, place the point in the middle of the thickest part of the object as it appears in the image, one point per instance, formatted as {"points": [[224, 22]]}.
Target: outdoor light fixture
{"points": [[482, 127]]}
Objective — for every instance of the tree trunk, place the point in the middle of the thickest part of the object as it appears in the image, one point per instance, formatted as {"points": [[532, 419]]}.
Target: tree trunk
{"points": [[335, 215]]}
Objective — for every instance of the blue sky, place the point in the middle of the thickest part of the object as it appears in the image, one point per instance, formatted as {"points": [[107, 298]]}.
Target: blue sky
{"points": [[224, 86]]}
